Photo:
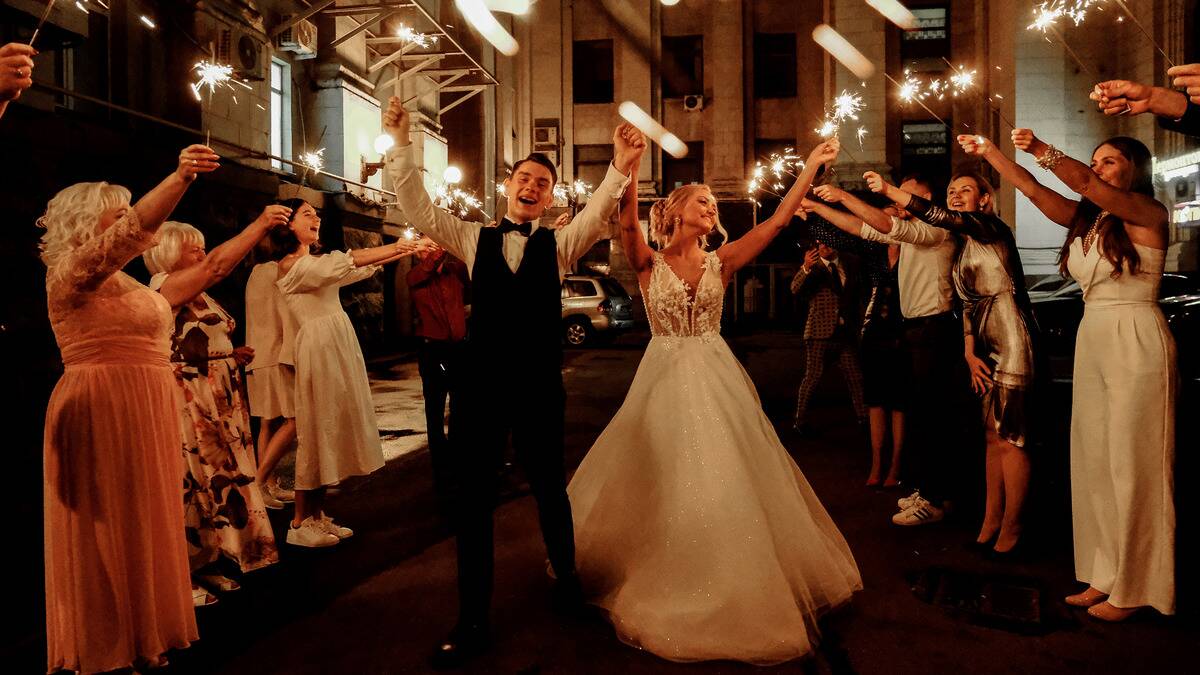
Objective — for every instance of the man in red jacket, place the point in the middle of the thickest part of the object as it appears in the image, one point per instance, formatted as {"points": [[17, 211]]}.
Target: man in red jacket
{"points": [[437, 284]]}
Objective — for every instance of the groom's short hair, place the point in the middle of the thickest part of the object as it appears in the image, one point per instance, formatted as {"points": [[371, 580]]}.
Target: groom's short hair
{"points": [[540, 159]]}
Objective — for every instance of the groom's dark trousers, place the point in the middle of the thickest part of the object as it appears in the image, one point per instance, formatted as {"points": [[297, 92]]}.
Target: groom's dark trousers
{"points": [[512, 385]]}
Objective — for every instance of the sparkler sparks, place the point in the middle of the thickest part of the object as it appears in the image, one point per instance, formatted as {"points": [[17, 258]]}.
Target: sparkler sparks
{"points": [[456, 200], [314, 160], [845, 106], [212, 76], [412, 37]]}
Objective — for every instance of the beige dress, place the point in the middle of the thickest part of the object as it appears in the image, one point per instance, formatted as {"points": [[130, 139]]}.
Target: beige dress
{"points": [[117, 585], [336, 433], [270, 332], [1123, 433]]}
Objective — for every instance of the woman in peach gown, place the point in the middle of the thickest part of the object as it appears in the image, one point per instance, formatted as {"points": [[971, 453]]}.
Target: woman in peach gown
{"points": [[117, 588]]}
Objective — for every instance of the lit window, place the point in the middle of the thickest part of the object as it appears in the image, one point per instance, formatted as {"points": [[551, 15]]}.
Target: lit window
{"points": [[281, 112]]}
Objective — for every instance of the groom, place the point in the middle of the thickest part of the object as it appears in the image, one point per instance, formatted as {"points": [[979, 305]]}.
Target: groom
{"points": [[513, 369]]}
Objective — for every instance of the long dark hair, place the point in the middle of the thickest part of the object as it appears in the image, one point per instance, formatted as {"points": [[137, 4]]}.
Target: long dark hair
{"points": [[1114, 240], [281, 241]]}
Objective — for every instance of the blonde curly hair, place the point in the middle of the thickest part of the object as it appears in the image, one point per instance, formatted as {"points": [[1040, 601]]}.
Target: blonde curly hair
{"points": [[664, 218], [168, 244], [71, 217]]}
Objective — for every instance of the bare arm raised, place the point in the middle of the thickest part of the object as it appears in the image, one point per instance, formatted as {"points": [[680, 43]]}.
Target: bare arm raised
{"points": [[1054, 206]]}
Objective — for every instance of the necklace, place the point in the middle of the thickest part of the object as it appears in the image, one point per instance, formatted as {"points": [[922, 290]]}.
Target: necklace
{"points": [[1093, 232]]}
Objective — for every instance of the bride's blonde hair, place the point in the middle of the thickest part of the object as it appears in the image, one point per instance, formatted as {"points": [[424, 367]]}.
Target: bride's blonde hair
{"points": [[71, 216], [664, 214]]}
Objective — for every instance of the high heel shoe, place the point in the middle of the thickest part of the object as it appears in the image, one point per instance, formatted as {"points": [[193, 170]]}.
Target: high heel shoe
{"points": [[1106, 611]]}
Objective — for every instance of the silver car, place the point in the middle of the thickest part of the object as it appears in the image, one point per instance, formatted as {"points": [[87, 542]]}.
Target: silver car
{"points": [[594, 307]]}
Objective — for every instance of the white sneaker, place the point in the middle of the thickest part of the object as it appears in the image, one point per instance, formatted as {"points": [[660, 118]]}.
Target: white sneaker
{"points": [[269, 499], [920, 513], [327, 525], [906, 503], [282, 494], [310, 534]]}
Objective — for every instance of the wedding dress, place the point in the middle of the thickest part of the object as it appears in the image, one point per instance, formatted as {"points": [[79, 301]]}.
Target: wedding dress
{"points": [[695, 530]]}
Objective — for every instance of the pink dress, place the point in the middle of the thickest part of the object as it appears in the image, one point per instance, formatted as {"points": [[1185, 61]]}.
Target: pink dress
{"points": [[117, 584]]}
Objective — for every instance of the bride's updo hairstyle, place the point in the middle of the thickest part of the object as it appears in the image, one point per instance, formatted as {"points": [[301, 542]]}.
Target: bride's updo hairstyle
{"points": [[72, 215], [665, 218]]}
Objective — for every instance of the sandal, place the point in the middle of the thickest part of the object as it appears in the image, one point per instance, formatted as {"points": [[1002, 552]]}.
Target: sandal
{"points": [[201, 597], [219, 582]]}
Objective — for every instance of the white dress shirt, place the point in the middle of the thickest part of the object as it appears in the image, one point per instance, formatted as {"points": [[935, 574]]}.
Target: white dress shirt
{"points": [[926, 260], [461, 238]]}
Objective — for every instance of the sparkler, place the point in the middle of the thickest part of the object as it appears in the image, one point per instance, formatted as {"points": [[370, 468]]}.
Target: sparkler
{"points": [[845, 106], [770, 174], [862, 131], [314, 160], [414, 38], [910, 91], [456, 200], [210, 77], [45, 15], [1145, 32], [963, 82]]}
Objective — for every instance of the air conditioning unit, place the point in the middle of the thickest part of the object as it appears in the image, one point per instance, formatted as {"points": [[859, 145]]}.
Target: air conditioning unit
{"points": [[693, 102], [243, 50], [300, 38]]}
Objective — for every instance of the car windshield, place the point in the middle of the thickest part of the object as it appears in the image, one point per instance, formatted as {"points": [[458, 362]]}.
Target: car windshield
{"points": [[614, 288]]}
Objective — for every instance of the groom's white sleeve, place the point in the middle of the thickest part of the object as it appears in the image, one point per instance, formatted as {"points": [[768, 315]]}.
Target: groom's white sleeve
{"points": [[460, 238], [591, 224]]}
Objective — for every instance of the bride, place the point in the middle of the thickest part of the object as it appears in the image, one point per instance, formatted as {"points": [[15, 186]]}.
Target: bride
{"points": [[695, 530]]}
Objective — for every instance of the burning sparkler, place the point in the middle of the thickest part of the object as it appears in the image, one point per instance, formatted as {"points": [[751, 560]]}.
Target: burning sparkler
{"points": [[45, 15], [911, 91], [845, 107], [212, 76], [457, 200], [314, 160], [414, 38]]}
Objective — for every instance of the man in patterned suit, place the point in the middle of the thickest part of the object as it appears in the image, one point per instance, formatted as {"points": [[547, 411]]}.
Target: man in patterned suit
{"points": [[831, 292]]}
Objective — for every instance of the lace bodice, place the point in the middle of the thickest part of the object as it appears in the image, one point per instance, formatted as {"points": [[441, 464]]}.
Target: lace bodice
{"points": [[676, 310], [100, 314]]}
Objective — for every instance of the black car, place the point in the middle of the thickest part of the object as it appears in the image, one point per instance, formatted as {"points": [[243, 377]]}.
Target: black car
{"points": [[1058, 317]]}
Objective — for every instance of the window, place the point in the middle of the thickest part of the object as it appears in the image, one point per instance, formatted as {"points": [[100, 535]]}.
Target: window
{"points": [[925, 147], [580, 289], [281, 112], [924, 48], [592, 67], [683, 65], [591, 163], [774, 65], [678, 172]]}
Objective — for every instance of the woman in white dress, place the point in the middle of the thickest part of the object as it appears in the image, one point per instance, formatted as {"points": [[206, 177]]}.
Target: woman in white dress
{"points": [[695, 531], [1123, 401], [271, 376], [336, 435]]}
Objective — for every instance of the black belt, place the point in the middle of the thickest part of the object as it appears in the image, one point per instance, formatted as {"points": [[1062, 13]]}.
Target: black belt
{"points": [[918, 321]]}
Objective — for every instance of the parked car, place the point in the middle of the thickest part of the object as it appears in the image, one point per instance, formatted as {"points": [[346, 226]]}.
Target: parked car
{"points": [[594, 307], [1048, 286], [1058, 315]]}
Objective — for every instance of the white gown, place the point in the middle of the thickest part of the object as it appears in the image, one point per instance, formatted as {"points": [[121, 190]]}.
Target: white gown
{"points": [[336, 433], [694, 529]]}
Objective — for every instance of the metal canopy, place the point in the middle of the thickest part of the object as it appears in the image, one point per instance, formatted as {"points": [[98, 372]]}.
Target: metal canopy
{"points": [[445, 61]]}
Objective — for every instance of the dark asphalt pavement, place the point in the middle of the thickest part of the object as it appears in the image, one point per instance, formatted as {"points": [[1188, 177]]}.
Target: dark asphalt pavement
{"points": [[378, 602]]}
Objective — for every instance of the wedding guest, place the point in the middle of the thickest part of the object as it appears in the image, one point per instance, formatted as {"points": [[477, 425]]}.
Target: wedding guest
{"points": [[271, 374], [222, 508], [1123, 399], [998, 335], [830, 292], [16, 72], [336, 433], [117, 590], [936, 441], [437, 284], [1175, 110], [886, 363]]}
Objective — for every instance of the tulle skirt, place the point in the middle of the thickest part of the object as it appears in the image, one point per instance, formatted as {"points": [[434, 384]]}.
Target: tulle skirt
{"points": [[695, 530]]}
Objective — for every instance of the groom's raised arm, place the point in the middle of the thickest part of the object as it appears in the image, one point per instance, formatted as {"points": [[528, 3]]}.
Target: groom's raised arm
{"points": [[591, 224], [459, 237]]}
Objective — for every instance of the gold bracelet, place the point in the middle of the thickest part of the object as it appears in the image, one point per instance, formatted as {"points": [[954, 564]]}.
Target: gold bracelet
{"points": [[1051, 158]]}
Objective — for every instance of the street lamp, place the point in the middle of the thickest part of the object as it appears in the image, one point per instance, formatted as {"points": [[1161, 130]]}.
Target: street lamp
{"points": [[383, 143]]}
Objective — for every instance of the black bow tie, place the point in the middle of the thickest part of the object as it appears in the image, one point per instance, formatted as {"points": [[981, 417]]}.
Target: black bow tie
{"points": [[506, 225]]}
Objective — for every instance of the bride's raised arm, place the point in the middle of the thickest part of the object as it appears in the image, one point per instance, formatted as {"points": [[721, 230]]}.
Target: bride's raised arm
{"points": [[633, 242], [736, 254]]}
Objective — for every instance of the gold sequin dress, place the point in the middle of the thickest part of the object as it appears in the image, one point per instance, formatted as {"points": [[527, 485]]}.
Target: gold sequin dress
{"points": [[694, 529]]}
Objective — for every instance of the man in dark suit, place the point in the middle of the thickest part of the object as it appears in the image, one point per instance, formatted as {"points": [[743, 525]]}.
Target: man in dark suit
{"points": [[830, 291]]}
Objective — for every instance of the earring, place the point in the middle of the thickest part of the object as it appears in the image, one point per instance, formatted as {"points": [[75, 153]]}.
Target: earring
{"points": [[676, 221]]}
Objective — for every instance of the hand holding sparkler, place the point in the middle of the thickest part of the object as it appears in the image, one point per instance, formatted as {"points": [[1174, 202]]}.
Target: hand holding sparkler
{"points": [[396, 121], [563, 220], [195, 160], [877, 184], [829, 193], [273, 216], [1187, 77], [974, 144], [1025, 141], [825, 152], [16, 70], [1125, 97], [628, 146]]}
